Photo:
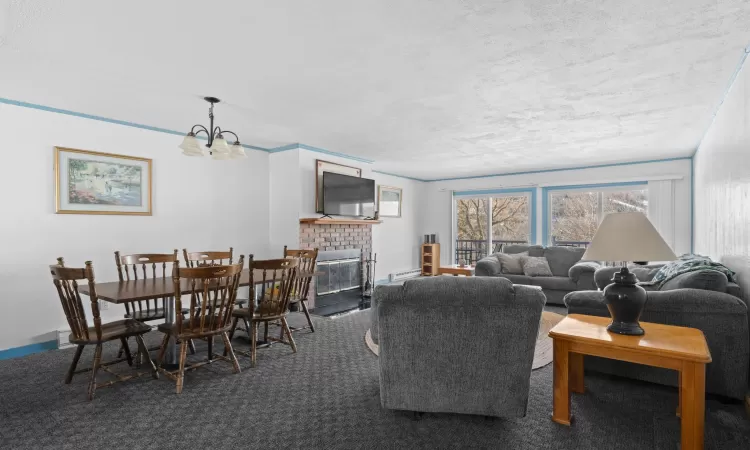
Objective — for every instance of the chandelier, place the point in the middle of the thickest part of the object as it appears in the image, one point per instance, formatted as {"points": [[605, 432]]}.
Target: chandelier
{"points": [[217, 145]]}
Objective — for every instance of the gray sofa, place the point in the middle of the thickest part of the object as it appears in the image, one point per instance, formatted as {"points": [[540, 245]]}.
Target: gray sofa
{"points": [[569, 273], [456, 345], [702, 300]]}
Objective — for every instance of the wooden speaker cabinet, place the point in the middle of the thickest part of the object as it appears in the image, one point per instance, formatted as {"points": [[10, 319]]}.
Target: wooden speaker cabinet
{"points": [[430, 259]]}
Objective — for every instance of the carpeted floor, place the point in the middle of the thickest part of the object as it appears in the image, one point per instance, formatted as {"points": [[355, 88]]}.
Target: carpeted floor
{"points": [[325, 396]]}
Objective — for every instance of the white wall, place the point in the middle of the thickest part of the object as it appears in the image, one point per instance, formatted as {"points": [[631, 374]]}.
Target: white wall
{"points": [[198, 203], [438, 195], [397, 241], [285, 201], [722, 177]]}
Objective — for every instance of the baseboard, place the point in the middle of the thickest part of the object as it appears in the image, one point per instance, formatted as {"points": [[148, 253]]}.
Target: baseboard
{"points": [[30, 349]]}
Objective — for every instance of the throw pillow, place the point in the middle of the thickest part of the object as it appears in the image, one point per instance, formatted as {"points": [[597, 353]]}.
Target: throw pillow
{"points": [[511, 264], [536, 266]]}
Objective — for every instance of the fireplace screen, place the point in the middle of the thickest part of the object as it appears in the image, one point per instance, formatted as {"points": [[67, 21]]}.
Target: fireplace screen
{"points": [[338, 275]]}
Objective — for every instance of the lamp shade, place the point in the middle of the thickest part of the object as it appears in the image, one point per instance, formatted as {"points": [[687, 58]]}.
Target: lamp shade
{"points": [[627, 237], [190, 146], [237, 151], [220, 146]]}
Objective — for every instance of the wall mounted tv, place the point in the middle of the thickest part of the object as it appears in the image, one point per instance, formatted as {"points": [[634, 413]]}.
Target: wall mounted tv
{"points": [[344, 195]]}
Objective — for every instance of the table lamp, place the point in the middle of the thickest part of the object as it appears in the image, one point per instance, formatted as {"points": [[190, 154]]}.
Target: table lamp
{"points": [[626, 237]]}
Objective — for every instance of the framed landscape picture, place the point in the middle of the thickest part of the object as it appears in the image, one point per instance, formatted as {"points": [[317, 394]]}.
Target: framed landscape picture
{"points": [[389, 201], [101, 183]]}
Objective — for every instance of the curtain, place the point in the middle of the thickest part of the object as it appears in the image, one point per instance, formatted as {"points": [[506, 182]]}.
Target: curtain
{"points": [[661, 210]]}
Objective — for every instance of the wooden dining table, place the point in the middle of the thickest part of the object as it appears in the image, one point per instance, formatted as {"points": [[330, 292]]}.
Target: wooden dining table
{"points": [[121, 292]]}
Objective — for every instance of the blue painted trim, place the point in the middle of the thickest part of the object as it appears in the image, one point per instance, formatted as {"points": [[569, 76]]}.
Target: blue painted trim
{"points": [[284, 148], [318, 150], [681, 158], [547, 190], [732, 80], [529, 190], [105, 119], [399, 176], [17, 352]]}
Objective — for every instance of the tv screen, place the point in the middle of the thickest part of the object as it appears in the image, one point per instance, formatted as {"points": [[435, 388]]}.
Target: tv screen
{"points": [[344, 195]]}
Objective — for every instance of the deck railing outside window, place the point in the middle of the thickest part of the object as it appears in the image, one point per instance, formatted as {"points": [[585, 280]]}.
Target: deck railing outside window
{"points": [[470, 251]]}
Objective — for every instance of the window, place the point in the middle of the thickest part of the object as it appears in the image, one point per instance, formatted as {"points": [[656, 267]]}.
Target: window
{"points": [[484, 223], [575, 214]]}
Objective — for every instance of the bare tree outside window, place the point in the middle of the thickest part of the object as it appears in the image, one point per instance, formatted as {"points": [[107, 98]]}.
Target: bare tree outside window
{"points": [[575, 216], [510, 222]]}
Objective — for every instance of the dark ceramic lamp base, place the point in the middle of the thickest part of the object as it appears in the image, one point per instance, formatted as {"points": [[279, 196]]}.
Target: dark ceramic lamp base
{"points": [[625, 301], [631, 329]]}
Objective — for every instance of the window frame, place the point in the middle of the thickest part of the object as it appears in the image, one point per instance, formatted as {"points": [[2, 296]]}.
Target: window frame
{"points": [[547, 193], [530, 193]]}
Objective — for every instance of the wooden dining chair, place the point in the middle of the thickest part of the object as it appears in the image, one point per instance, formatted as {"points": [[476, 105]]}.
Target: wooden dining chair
{"points": [[301, 289], [81, 334], [213, 291], [143, 266], [275, 278], [212, 258]]}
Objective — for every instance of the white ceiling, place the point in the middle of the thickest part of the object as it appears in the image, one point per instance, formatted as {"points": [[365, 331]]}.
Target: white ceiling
{"points": [[429, 89]]}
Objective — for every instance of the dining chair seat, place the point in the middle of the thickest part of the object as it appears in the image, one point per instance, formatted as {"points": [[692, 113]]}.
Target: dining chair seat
{"points": [[149, 315], [111, 331], [192, 329], [245, 313]]}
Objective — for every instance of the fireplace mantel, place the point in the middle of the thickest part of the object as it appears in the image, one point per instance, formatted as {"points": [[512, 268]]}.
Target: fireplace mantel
{"points": [[319, 221]]}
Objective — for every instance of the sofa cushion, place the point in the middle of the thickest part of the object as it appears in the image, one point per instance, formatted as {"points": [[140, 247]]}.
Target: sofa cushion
{"points": [[517, 279], [533, 250], [536, 266], [554, 283], [644, 273], [561, 259], [512, 263], [708, 280]]}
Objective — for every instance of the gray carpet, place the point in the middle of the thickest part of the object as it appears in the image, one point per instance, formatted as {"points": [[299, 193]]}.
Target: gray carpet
{"points": [[325, 396]]}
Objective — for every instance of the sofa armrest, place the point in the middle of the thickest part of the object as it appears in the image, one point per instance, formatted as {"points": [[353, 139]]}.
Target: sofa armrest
{"points": [[582, 273], [590, 303], [489, 266], [603, 276]]}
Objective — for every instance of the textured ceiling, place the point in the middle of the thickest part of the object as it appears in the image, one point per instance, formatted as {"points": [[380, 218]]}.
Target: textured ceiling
{"points": [[428, 89]]}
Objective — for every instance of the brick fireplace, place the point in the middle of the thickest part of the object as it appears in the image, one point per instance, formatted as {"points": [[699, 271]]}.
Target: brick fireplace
{"points": [[331, 237]]}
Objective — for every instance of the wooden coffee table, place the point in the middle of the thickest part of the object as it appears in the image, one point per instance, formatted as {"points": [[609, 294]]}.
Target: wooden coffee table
{"points": [[455, 270], [677, 348]]}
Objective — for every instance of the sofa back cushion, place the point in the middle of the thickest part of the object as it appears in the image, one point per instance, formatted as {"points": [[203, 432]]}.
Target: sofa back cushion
{"points": [[561, 259], [536, 266], [533, 250], [644, 273], [511, 263], [709, 280]]}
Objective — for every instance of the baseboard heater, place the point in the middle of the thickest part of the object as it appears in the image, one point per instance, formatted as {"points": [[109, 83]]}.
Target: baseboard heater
{"points": [[405, 275]]}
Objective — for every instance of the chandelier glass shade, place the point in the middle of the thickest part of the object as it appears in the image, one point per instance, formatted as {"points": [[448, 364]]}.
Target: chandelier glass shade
{"points": [[217, 145]]}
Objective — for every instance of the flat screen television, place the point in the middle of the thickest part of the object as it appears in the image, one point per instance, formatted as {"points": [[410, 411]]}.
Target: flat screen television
{"points": [[344, 195]]}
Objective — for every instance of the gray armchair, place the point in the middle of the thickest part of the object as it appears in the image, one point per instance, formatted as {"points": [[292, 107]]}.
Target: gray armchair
{"points": [[456, 345]]}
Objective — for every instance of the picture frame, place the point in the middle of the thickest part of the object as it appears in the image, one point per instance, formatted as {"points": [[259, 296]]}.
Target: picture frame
{"points": [[390, 200], [88, 182], [327, 166]]}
